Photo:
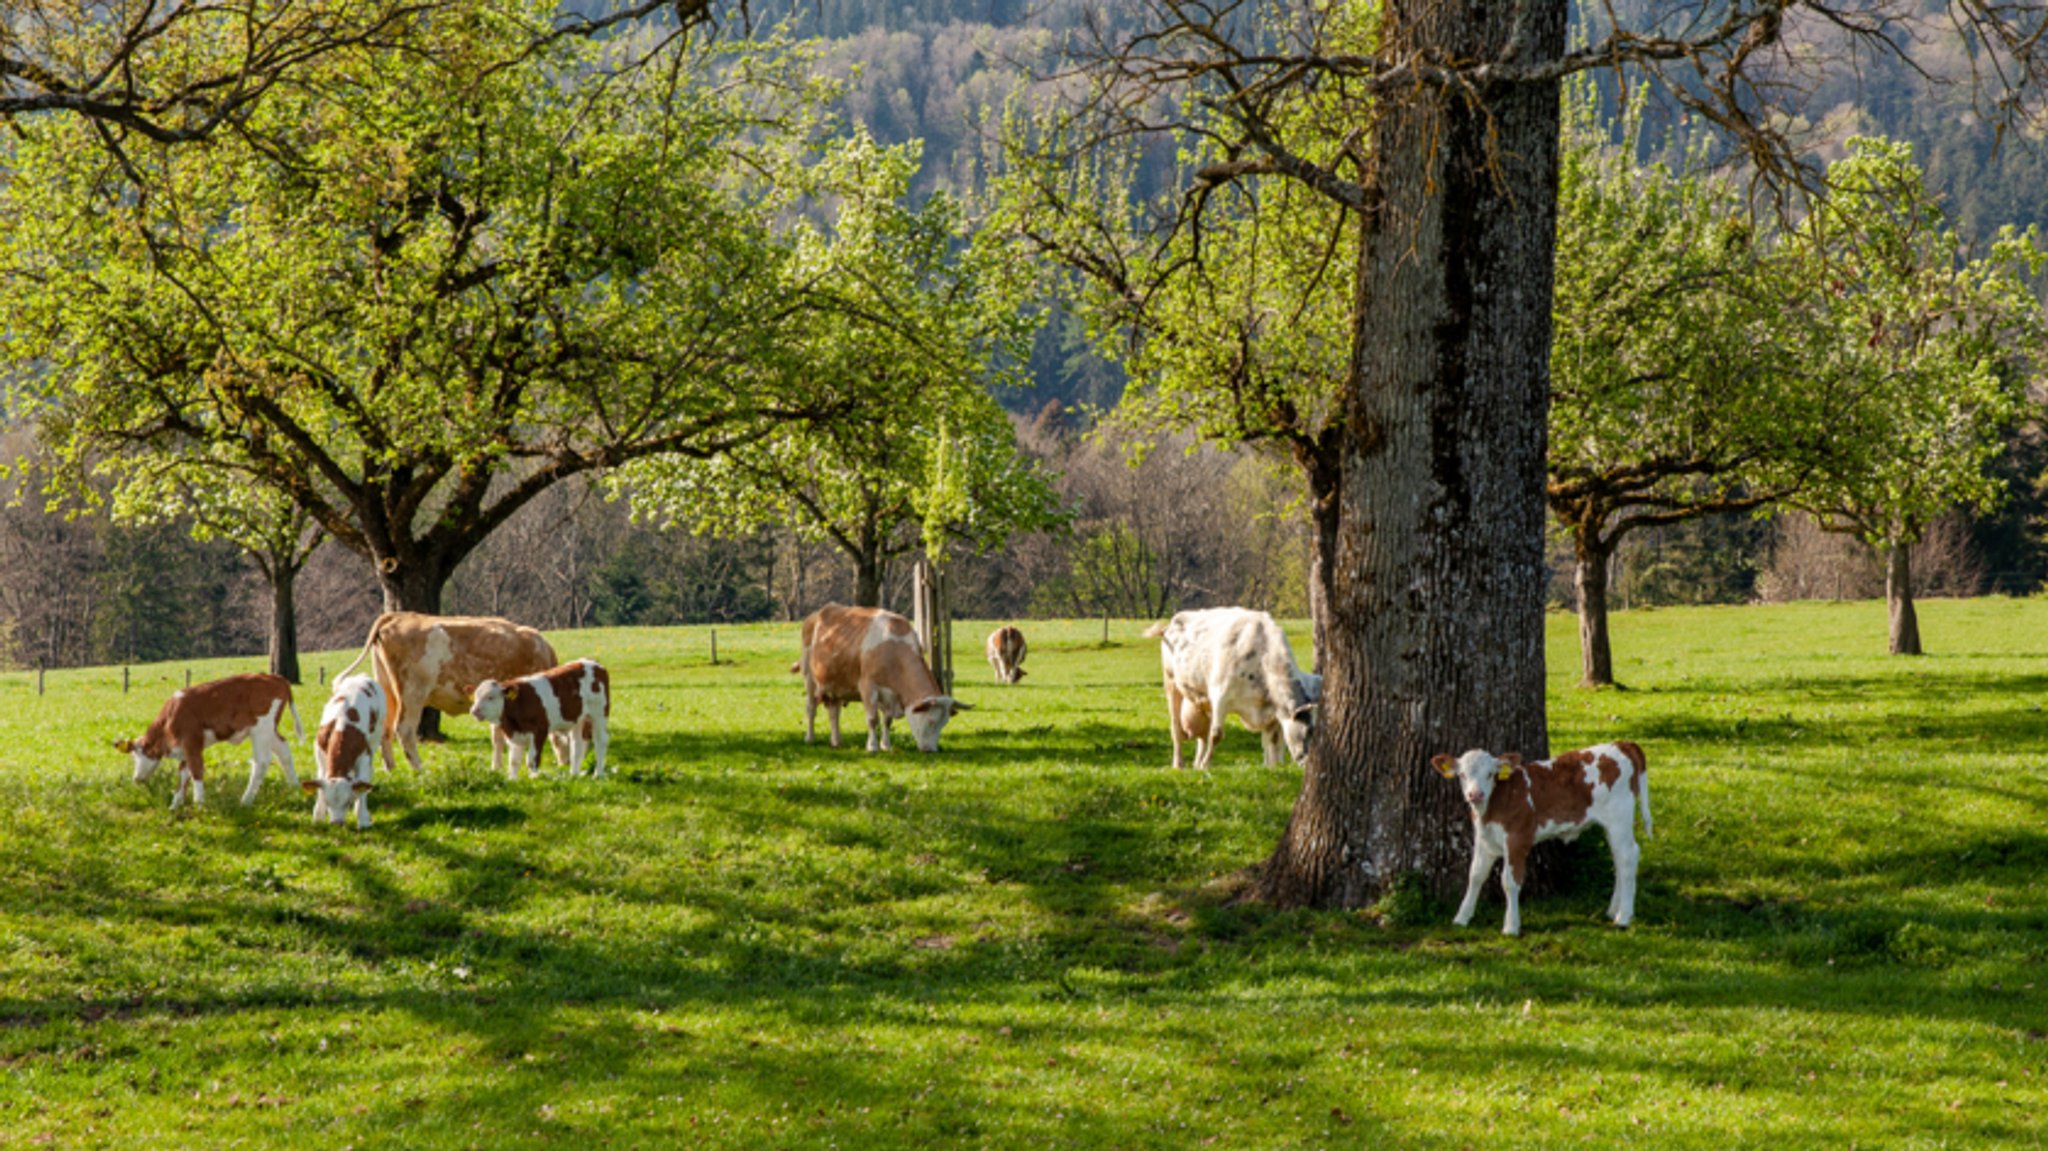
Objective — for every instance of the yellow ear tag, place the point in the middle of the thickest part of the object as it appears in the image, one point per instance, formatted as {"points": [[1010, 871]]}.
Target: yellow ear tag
{"points": [[308, 786], [512, 691], [1506, 769]]}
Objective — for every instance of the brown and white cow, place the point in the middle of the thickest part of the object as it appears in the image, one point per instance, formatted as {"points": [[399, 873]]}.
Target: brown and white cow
{"points": [[1517, 805], [226, 710], [353, 721], [425, 661], [871, 655], [1006, 653], [575, 698]]}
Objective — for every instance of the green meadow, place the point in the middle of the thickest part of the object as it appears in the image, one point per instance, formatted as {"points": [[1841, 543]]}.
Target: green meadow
{"points": [[1028, 939]]}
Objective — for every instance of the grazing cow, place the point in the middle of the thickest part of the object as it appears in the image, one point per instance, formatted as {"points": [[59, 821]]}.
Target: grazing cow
{"points": [[1516, 806], [1006, 653], [1233, 661], [355, 718], [575, 698], [870, 655], [223, 711], [425, 661]]}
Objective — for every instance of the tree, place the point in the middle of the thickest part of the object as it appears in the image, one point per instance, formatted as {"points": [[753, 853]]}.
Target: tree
{"points": [[936, 460], [278, 537], [1449, 114], [180, 72], [433, 291], [1938, 347], [1673, 395]]}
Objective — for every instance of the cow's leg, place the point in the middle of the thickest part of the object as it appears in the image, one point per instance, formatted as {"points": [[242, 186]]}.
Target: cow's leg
{"points": [[1621, 841], [565, 748], [1482, 865], [1269, 739], [1511, 886], [832, 714], [283, 748], [409, 732], [500, 752], [259, 762], [600, 739], [533, 743], [577, 748], [362, 811], [1173, 724], [319, 804], [878, 731], [1207, 752], [811, 720], [179, 789]]}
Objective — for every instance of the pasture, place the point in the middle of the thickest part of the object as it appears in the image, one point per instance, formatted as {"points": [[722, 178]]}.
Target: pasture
{"points": [[1026, 940]]}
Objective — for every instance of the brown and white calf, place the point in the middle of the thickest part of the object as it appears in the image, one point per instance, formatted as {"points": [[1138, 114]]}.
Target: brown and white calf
{"points": [[351, 725], [1517, 805], [575, 698], [871, 655], [1006, 653], [226, 710]]}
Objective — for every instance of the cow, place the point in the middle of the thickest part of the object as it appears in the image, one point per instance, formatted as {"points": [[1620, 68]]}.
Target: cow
{"points": [[575, 698], [1006, 653], [1234, 661], [226, 710], [355, 719], [870, 655], [425, 661], [1517, 805]]}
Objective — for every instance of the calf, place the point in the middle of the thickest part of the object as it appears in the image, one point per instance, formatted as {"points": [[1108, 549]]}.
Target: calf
{"points": [[425, 661], [222, 711], [1006, 653], [575, 698], [354, 719], [1516, 806], [870, 655], [1233, 661]]}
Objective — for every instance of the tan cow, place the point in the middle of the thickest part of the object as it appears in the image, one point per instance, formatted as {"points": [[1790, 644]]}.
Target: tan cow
{"points": [[1005, 650], [226, 710], [870, 655], [425, 661]]}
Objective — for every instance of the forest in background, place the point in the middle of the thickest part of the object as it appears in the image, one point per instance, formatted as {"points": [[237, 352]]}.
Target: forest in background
{"points": [[1191, 527]]}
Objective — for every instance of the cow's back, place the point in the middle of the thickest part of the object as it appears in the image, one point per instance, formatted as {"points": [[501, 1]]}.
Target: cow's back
{"points": [[833, 637]]}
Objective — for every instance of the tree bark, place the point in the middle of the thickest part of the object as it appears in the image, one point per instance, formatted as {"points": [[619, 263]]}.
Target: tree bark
{"points": [[1898, 596], [1596, 655], [1436, 588], [284, 621], [1324, 474]]}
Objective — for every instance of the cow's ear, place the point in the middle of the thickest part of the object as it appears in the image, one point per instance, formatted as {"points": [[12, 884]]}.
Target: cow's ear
{"points": [[1512, 759], [124, 745], [359, 787], [468, 689], [1446, 766], [1506, 769], [923, 705], [511, 691], [1305, 713], [957, 706], [308, 786]]}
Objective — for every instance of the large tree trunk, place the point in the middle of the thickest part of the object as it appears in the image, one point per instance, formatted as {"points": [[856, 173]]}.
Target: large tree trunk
{"points": [[1898, 596], [1436, 590], [284, 621], [416, 587], [1596, 656]]}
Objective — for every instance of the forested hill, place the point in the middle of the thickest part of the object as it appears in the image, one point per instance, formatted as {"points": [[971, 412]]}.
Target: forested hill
{"points": [[932, 69]]}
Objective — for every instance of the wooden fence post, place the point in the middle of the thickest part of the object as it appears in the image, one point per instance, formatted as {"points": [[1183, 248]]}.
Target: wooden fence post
{"points": [[188, 677], [932, 619], [714, 647], [124, 679], [39, 677]]}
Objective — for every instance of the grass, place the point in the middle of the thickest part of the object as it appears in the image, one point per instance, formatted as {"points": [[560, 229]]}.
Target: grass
{"points": [[745, 942]]}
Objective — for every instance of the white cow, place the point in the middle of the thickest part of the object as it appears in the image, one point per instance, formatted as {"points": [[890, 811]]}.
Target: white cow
{"points": [[1234, 661]]}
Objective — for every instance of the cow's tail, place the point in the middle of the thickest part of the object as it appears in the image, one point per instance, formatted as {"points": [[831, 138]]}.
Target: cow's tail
{"points": [[1157, 629], [298, 729], [1641, 782], [369, 643]]}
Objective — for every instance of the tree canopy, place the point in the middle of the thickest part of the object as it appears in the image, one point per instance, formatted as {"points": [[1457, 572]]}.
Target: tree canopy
{"points": [[413, 297]]}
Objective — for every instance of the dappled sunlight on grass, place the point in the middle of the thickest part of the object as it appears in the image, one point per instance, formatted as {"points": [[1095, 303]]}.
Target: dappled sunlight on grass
{"points": [[744, 941]]}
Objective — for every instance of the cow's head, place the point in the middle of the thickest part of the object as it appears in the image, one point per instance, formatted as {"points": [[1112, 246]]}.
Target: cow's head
{"points": [[487, 700], [147, 757], [1299, 726], [337, 793], [1476, 772], [928, 717]]}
